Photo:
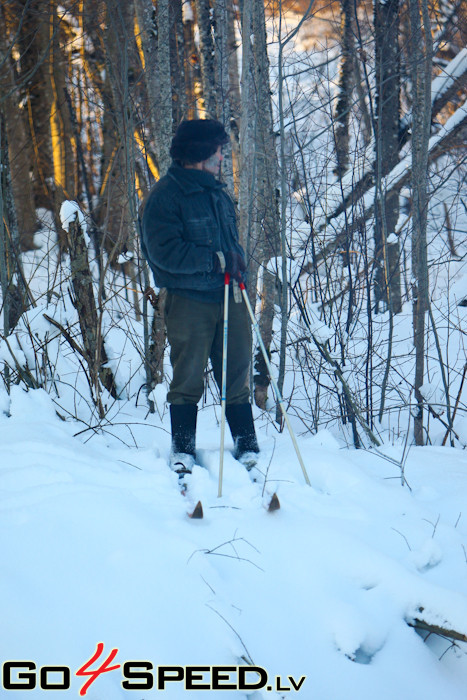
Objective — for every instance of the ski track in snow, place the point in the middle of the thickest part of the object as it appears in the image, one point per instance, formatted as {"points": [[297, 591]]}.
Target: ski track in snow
{"points": [[97, 547]]}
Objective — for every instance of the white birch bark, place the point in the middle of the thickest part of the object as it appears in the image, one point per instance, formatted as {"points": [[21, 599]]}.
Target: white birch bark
{"points": [[259, 222], [224, 110], [283, 41], [207, 57], [154, 26]]}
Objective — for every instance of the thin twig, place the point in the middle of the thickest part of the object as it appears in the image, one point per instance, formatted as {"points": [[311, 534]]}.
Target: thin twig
{"points": [[405, 538], [248, 655]]}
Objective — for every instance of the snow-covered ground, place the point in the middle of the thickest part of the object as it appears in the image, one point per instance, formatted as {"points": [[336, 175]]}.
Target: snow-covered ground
{"points": [[97, 548]]}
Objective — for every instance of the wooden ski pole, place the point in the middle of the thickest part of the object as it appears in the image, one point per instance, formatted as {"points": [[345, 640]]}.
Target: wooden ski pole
{"points": [[224, 379], [273, 381]]}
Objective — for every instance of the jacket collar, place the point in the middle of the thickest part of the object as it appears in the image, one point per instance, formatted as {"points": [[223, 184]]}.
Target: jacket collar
{"points": [[191, 181]]}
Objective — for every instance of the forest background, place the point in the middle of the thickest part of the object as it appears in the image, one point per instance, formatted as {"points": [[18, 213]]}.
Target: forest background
{"points": [[347, 162]]}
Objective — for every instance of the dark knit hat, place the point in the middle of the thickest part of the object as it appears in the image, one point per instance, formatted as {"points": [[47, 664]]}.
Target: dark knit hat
{"points": [[197, 139]]}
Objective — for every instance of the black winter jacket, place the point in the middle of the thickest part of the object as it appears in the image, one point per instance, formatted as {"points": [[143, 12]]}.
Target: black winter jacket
{"points": [[187, 217]]}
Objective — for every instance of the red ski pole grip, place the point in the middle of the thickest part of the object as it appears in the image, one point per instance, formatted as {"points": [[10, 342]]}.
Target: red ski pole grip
{"points": [[227, 278]]}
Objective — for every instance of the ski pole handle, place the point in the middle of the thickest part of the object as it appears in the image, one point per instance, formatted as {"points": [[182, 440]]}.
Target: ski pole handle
{"points": [[273, 382]]}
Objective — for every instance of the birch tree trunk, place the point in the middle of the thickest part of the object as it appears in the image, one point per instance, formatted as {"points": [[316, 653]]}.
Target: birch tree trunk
{"points": [[234, 96], [284, 298], [207, 57], [420, 69], [387, 252], [192, 77], [345, 88], [117, 168], [20, 152], [12, 284], [165, 104], [177, 63], [89, 320], [224, 108], [164, 80], [247, 161], [258, 177], [154, 26], [5, 261], [247, 152]]}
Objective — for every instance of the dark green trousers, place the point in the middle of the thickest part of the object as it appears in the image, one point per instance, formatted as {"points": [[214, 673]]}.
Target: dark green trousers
{"points": [[195, 333]]}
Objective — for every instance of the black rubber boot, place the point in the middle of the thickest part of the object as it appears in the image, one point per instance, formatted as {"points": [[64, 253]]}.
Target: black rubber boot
{"points": [[240, 420], [183, 421]]}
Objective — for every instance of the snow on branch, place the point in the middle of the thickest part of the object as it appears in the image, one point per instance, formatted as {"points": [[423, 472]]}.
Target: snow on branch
{"points": [[450, 77], [69, 212], [397, 178]]}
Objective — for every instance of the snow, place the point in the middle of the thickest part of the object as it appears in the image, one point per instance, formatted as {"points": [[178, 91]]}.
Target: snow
{"points": [[317, 327], [459, 115], [334, 191], [69, 212], [187, 10], [455, 69], [97, 547], [434, 394], [125, 257]]}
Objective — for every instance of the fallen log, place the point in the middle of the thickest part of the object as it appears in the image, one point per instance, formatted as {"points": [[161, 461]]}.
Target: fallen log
{"points": [[443, 629]]}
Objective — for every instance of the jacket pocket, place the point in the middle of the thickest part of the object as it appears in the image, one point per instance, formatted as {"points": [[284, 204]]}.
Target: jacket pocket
{"points": [[200, 231]]}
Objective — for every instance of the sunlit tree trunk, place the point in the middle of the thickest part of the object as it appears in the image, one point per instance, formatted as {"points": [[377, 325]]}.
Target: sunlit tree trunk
{"points": [[63, 148], [34, 62], [42, 69]]}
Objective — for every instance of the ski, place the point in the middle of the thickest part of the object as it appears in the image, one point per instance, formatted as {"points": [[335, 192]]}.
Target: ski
{"points": [[195, 512], [274, 503], [270, 500]]}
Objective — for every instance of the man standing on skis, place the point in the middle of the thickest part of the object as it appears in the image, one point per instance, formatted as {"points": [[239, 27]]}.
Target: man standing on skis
{"points": [[188, 230]]}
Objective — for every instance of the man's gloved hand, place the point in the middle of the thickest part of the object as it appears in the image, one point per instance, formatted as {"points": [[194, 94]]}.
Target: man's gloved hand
{"points": [[234, 264]]}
